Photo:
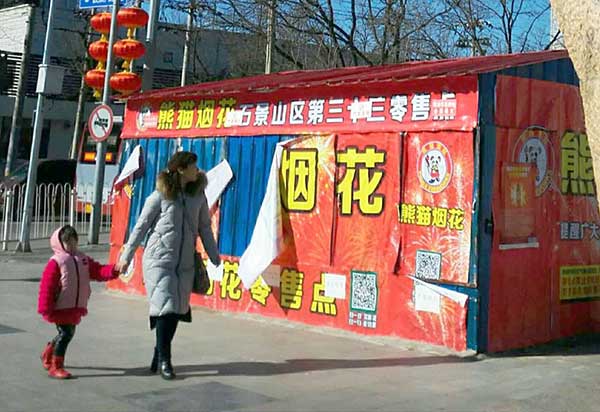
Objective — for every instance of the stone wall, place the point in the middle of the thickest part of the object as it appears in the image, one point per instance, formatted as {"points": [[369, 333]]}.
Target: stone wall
{"points": [[578, 21]]}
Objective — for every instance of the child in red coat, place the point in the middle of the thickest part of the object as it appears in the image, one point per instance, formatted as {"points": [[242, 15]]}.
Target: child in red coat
{"points": [[64, 293]]}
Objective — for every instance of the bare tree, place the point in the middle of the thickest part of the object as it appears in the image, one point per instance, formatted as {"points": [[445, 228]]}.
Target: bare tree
{"points": [[518, 22], [337, 33], [498, 26]]}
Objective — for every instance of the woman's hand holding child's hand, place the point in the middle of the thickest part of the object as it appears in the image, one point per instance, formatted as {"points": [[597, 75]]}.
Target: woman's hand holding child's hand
{"points": [[121, 267]]}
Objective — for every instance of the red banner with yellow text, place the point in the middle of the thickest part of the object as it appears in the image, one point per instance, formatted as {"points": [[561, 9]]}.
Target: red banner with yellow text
{"points": [[366, 230], [307, 181], [436, 205], [448, 103]]}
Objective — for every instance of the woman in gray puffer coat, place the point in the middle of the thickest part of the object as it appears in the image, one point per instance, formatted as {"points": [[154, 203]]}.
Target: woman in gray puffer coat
{"points": [[171, 219]]}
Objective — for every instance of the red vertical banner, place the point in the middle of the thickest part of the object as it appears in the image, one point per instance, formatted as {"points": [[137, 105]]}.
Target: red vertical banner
{"points": [[307, 180], [520, 286], [550, 293], [436, 206], [121, 198], [121, 206], [367, 233]]}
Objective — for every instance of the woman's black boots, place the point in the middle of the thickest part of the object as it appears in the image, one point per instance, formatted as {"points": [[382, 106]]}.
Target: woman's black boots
{"points": [[162, 362], [165, 367], [165, 330]]}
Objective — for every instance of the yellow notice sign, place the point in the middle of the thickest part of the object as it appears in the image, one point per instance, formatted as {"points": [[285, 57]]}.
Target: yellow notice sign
{"points": [[579, 282]]}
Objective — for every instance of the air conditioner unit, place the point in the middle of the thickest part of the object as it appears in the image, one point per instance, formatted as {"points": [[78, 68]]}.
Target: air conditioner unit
{"points": [[50, 79]]}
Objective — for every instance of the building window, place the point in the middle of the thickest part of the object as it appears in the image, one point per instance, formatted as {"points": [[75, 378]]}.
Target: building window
{"points": [[168, 57]]}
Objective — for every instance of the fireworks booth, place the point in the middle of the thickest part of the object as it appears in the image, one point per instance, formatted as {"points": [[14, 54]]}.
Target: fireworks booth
{"points": [[450, 202]]}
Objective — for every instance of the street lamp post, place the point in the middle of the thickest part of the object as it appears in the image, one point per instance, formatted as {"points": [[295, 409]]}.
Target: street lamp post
{"points": [[24, 244]]}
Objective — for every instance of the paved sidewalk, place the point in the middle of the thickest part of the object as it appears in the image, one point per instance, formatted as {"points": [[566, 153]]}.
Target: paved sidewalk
{"points": [[228, 362]]}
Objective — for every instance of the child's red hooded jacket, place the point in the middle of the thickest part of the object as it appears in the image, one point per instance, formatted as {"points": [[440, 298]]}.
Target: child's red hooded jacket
{"points": [[65, 285]]}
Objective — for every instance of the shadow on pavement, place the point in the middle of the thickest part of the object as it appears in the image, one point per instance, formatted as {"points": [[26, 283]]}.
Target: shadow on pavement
{"points": [[277, 368], [586, 344], [21, 280]]}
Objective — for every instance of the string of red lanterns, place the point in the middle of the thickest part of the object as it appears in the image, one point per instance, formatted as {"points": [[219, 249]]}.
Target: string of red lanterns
{"points": [[125, 82], [98, 50]]}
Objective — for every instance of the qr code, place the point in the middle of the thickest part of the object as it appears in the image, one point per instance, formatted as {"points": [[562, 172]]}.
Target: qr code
{"points": [[428, 265], [364, 291]]}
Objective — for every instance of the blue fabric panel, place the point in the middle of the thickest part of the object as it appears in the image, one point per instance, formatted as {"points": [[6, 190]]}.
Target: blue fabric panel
{"points": [[127, 148], [245, 194], [209, 151], [145, 186], [137, 199], [258, 157], [250, 158], [524, 71], [229, 216], [551, 69], [538, 71], [567, 73], [476, 195], [186, 144], [157, 152], [560, 71], [487, 110]]}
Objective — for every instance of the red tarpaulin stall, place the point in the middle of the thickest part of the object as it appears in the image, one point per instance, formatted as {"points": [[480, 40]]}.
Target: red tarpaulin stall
{"points": [[449, 202]]}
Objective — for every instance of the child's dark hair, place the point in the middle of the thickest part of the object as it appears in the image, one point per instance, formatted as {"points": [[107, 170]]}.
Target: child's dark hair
{"points": [[67, 233]]}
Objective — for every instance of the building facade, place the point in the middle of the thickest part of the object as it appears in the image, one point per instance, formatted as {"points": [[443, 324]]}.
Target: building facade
{"points": [[215, 54]]}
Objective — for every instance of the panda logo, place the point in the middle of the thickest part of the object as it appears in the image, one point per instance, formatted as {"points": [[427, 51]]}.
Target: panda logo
{"points": [[533, 147], [435, 167], [145, 119]]}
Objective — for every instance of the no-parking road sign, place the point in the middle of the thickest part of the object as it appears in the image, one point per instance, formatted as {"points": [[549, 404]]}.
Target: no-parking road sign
{"points": [[100, 123]]}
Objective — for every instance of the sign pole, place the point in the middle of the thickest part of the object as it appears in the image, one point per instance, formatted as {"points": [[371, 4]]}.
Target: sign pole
{"points": [[94, 231], [24, 245]]}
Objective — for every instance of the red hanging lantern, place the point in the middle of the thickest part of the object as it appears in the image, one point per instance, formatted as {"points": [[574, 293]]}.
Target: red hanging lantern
{"points": [[95, 78], [126, 82], [129, 49], [98, 50], [101, 22], [132, 17]]}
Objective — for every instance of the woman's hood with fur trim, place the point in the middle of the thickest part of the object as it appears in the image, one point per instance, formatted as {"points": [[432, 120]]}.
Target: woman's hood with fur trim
{"points": [[165, 180], [202, 180]]}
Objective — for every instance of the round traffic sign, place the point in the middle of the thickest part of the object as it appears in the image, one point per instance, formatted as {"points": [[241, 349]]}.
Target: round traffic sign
{"points": [[100, 123]]}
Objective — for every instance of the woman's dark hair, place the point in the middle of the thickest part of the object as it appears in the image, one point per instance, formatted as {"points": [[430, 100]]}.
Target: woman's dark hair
{"points": [[67, 233], [168, 180]]}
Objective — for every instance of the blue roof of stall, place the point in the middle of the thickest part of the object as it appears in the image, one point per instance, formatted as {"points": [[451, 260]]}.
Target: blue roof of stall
{"points": [[362, 74]]}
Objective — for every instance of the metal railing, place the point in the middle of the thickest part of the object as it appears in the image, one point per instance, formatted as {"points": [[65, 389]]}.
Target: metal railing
{"points": [[54, 205]]}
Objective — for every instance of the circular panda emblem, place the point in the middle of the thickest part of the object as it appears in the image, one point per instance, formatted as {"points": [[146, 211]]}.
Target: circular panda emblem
{"points": [[145, 119], [533, 147], [435, 167]]}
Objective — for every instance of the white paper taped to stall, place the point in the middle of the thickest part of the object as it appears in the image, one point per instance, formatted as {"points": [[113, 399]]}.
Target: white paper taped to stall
{"points": [[457, 297], [335, 286], [218, 178]]}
